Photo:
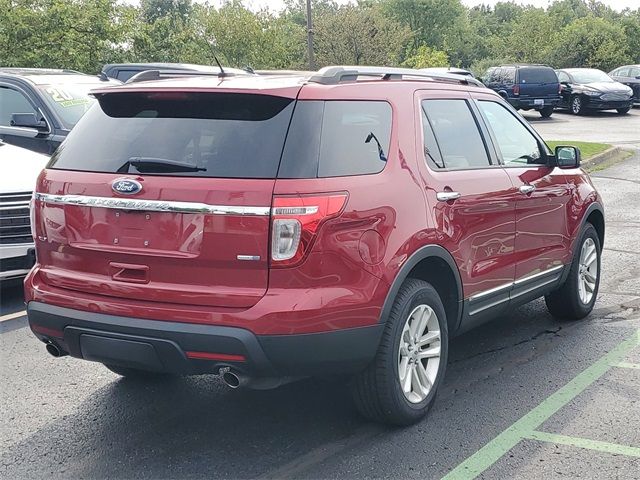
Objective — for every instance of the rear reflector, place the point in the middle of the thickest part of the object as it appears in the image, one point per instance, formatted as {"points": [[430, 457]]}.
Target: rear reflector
{"points": [[296, 221], [49, 332], [224, 357]]}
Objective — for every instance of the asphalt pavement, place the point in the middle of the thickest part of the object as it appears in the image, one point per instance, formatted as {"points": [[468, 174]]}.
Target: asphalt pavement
{"points": [[525, 397]]}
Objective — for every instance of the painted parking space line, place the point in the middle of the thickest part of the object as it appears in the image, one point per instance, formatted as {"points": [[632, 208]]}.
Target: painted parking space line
{"points": [[13, 321], [589, 444], [11, 316], [527, 425], [635, 366]]}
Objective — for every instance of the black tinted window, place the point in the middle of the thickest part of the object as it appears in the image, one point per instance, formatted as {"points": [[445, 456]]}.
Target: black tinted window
{"points": [[456, 133], [186, 134], [337, 138], [537, 75]]}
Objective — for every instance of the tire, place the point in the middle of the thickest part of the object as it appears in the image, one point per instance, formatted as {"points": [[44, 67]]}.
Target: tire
{"points": [[377, 392], [569, 302], [576, 106], [138, 374], [623, 111], [546, 112]]}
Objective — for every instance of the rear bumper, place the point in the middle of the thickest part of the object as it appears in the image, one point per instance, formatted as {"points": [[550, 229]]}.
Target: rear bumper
{"points": [[530, 102], [186, 348]]}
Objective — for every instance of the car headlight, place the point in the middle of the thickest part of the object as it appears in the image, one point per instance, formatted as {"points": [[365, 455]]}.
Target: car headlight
{"points": [[592, 93]]}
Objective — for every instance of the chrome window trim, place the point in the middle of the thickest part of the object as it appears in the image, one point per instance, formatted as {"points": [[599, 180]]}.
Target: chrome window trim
{"points": [[520, 281], [151, 205]]}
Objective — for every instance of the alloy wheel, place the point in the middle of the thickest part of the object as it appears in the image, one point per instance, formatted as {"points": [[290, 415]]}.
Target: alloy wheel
{"points": [[576, 105], [587, 271], [419, 353]]}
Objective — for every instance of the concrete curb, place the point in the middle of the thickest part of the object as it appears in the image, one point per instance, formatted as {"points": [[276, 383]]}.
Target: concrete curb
{"points": [[611, 154]]}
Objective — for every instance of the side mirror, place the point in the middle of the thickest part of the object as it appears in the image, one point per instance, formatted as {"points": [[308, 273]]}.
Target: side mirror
{"points": [[27, 120], [567, 156]]}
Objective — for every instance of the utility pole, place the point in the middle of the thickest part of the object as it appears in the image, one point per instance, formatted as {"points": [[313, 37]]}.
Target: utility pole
{"points": [[312, 61]]}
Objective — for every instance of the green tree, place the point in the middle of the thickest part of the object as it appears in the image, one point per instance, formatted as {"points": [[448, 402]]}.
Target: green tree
{"points": [[358, 35], [425, 57], [591, 42]]}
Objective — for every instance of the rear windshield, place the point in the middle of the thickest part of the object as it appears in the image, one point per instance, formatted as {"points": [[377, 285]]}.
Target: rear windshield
{"points": [[180, 134], [538, 75]]}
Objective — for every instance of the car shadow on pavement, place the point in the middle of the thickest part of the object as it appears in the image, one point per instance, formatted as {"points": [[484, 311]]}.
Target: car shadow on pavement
{"points": [[198, 428]]}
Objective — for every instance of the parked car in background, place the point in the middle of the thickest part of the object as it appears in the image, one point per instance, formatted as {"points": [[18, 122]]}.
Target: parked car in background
{"points": [[453, 70], [268, 228], [38, 107], [19, 169], [585, 89], [630, 76], [526, 87], [124, 71]]}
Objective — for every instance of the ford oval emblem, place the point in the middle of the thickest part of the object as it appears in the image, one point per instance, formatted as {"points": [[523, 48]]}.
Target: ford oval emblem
{"points": [[126, 186]]}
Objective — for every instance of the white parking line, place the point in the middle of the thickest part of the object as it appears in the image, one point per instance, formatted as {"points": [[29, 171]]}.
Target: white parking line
{"points": [[11, 316]]}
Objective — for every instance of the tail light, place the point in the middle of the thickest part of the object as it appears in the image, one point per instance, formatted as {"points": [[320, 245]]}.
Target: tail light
{"points": [[560, 88], [296, 221], [516, 89], [32, 214]]}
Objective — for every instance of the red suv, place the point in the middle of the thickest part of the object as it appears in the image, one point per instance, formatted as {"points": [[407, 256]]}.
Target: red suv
{"points": [[271, 228]]}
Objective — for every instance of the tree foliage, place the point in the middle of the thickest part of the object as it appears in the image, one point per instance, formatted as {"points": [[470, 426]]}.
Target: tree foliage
{"points": [[85, 34]]}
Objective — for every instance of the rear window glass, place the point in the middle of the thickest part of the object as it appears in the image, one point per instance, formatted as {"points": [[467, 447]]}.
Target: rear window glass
{"points": [[180, 134], [538, 75], [337, 138]]}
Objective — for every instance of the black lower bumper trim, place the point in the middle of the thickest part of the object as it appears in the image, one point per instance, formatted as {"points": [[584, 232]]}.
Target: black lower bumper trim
{"points": [[162, 346]]}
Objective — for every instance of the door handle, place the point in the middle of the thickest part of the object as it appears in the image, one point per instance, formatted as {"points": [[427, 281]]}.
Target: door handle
{"points": [[447, 196], [526, 189]]}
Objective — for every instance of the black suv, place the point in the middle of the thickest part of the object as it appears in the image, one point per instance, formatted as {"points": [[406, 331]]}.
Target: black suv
{"points": [[124, 71], [526, 87], [38, 107]]}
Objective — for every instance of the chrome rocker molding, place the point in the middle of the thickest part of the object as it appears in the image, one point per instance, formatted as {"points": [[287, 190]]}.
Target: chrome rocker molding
{"points": [[510, 291], [151, 205]]}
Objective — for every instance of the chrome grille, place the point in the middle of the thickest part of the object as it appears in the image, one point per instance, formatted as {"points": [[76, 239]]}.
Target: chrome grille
{"points": [[14, 218], [615, 96]]}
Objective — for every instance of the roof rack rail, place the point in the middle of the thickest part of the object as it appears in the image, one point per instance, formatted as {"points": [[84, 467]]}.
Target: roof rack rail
{"points": [[150, 75], [336, 74]]}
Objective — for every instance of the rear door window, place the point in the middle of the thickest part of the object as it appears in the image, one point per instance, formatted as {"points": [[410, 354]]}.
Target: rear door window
{"points": [[537, 75], [180, 134], [337, 138], [457, 135]]}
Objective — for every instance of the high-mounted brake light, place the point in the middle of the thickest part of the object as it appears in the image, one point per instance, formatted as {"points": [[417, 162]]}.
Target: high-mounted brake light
{"points": [[296, 221]]}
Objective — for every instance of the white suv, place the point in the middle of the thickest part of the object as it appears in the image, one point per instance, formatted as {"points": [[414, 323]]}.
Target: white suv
{"points": [[19, 169]]}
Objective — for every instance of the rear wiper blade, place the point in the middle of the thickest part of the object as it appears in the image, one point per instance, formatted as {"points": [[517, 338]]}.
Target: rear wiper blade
{"points": [[158, 165]]}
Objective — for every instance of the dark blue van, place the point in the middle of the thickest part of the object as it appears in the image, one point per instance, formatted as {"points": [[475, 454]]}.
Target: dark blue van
{"points": [[526, 87]]}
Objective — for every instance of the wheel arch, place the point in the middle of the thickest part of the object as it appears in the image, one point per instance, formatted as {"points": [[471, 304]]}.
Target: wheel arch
{"points": [[435, 265], [595, 216]]}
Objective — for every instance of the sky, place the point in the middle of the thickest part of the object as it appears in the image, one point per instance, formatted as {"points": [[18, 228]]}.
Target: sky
{"points": [[278, 4]]}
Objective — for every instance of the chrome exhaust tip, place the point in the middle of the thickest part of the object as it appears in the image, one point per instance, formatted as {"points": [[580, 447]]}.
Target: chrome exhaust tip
{"points": [[54, 351], [231, 379]]}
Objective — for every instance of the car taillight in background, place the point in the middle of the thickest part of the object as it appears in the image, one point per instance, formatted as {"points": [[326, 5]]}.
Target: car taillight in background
{"points": [[516, 89], [296, 221]]}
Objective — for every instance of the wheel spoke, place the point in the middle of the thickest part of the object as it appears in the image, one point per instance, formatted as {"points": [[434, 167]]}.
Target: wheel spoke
{"points": [[406, 381], [592, 256], [432, 352], [422, 324], [428, 338], [424, 379], [402, 367], [588, 287], [415, 381], [589, 276], [414, 321]]}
